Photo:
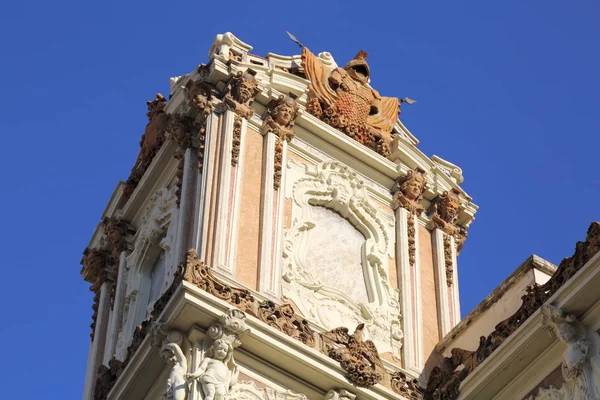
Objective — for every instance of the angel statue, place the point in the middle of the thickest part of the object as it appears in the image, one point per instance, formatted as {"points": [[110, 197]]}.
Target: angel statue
{"points": [[217, 371], [342, 98], [581, 359], [176, 384]]}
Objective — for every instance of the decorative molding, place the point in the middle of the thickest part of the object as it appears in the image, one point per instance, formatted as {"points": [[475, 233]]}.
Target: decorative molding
{"points": [[246, 390], [117, 232], [406, 387], [152, 139], [283, 318], [446, 379], [96, 270], [359, 358], [338, 188]]}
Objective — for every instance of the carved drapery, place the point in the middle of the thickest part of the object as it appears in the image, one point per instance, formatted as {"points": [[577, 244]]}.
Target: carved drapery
{"points": [[338, 188], [358, 357], [444, 381], [152, 139]]}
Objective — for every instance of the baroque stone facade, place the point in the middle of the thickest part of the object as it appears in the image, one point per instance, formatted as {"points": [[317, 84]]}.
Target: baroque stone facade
{"points": [[281, 237]]}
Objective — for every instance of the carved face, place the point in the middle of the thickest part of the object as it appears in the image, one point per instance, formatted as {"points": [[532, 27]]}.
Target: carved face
{"points": [[220, 350], [283, 114], [93, 260], [413, 187], [169, 355], [565, 332], [244, 90], [199, 98], [449, 207]]}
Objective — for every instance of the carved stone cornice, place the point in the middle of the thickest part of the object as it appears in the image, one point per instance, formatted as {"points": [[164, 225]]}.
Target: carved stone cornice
{"points": [[408, 191], [240, 91], [444, 380], [152, 139], [408, 388], [357, 357]]}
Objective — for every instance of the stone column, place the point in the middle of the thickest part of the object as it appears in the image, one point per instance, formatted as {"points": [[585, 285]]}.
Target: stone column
{"points": [[278, 131]]}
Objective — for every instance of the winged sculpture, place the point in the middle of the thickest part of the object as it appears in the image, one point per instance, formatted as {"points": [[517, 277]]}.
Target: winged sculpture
{"points": [[343, 99]]}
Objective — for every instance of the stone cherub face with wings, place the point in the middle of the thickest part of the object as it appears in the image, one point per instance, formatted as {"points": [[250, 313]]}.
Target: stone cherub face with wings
{"points": [[341, 98]]}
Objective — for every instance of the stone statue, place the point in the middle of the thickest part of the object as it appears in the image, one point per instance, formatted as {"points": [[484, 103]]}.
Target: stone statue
{"points": [[176, 384], [217, 371], [343, 99], [581, 359]]}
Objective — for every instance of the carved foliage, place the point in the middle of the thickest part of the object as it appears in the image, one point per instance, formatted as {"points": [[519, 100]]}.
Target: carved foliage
{"points": [[408, 388], [445, 380], [448, 260], [152, 140], [236, 141], [95, 264], [357, 357], [283, 318]]}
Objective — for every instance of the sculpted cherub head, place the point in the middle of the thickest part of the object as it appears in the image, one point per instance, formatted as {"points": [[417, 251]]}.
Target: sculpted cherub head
{"points": [[282, 113], [220, 350], [199, 94], [412, 185], [358, 69]]}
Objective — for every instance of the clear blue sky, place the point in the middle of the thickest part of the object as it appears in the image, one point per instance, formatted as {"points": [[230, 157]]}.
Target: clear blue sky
{"points": [[508, 90]]}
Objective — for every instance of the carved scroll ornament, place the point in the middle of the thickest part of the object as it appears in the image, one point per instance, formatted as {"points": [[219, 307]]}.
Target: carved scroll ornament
{"points": [[444, 381], [342, 98]]}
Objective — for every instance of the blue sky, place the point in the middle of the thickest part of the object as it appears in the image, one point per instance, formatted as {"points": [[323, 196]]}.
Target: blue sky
{"points": [[507, 90]]}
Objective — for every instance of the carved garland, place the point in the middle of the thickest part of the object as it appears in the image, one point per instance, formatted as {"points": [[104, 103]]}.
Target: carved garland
{"points": [[236, 141], [444, 381]]}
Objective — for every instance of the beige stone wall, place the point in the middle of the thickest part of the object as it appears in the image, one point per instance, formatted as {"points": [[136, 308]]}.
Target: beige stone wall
{"points": [[431, 331], [249, 228]]}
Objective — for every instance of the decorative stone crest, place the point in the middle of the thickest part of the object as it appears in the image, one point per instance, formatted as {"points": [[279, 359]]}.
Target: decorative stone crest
{"points": [[281, 114], [408, 191], [342, 98], [152, 140], [240, 92], [357, 357], [217, 371], [408, 388], [283, 318], [445, 380]]}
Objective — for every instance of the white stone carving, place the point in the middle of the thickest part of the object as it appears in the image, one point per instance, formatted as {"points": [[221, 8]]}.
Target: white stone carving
{"points": [[340, 395], [338, 188], [155, 233], [581, 359], [176, 384], [248, 391], [217, 371], [550, 394]]}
